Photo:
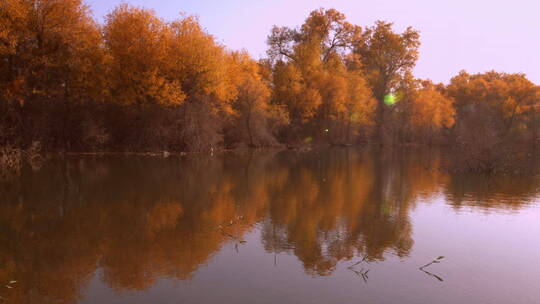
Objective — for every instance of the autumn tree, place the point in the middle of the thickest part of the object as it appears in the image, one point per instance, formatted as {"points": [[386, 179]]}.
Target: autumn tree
{"points": [[141, 78], [50, 61], [291, 91], [431, 112], [141, 83], [255, 119], [386, 56], [418, 112], [495, 119], [348, 102], [139, 45], [310, 75], [12, 19], [206, 74]]}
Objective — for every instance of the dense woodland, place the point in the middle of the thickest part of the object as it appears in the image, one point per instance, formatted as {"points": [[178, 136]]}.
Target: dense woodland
{"points": [[141, 83]]}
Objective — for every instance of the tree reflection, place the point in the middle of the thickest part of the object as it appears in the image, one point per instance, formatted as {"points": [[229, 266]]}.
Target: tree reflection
{"points": [[137, 220], [491, 192], [345, 204]]}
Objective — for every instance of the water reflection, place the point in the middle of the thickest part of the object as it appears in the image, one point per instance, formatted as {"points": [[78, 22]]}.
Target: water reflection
{"points": [[141, 219], [500, 192]]}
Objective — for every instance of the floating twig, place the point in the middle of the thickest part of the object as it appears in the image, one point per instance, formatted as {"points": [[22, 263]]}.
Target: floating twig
{"points": [[365, 258], [236, 238], [433, 275], [435, 261], [363, 273]]}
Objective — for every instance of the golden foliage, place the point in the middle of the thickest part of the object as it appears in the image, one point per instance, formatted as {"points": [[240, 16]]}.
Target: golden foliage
{"points": [[431, 109], [142, 83], [139, 45]]}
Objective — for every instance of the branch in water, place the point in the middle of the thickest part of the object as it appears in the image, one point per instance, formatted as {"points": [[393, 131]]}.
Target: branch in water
{"points": [[435, 261]]}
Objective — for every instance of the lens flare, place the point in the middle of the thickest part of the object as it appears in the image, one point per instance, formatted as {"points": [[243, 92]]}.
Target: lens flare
{"points": [[390, 99]]}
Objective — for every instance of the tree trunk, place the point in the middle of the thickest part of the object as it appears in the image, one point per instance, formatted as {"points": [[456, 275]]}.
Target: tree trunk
{"points": [[248, 125], [379, 122], [349, 129]]}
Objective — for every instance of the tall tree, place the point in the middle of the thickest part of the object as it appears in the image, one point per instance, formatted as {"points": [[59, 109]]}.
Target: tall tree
{"points": [[139, 44], [254, 115], [207, 74], [311, 74], [495, 119], [431, 112], [386, 56], [51, 58]]}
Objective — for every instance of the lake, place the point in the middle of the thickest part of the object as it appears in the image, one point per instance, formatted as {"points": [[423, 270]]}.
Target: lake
{"points": [[342, 225]]}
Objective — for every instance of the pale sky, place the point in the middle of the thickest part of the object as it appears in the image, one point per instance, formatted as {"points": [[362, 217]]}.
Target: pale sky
{"points": [[474, 35]]}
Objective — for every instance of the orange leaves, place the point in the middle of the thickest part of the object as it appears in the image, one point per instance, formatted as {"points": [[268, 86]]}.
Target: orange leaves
{"points": [[431, 109], [204, 68], [387, 56], [53, 47], [12, 22], [250, 85], [314, 68], [139, 44], [165, 63], [323, 80], [155, 62], [508, 96], [496, 123], [360, 104]]}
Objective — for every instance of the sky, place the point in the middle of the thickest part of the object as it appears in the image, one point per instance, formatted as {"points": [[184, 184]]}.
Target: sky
{"points": [[472, 35]]}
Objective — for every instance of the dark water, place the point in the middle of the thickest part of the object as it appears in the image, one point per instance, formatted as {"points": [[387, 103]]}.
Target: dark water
{"points": [[268, 227]]}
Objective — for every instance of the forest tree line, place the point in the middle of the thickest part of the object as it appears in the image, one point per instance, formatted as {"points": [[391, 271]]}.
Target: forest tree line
{"points": [[140, 83]]}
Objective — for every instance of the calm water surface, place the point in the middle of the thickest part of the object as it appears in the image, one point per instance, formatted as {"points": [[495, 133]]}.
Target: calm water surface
{"points": [[339, 226]]}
